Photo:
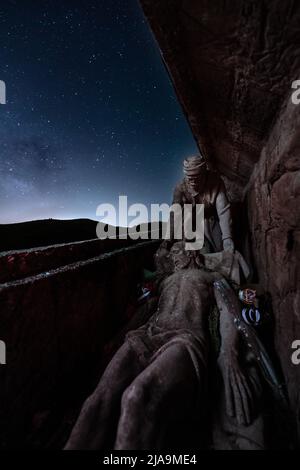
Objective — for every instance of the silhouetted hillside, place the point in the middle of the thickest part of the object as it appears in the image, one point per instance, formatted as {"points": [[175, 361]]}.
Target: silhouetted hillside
{"points": [[45, 232]]}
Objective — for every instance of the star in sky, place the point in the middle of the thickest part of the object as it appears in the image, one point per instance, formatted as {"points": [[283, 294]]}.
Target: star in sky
{"points": [[91, 112]]}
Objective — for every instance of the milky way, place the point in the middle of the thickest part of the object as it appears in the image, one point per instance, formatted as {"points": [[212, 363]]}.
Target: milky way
{"points": [[90, 114]]}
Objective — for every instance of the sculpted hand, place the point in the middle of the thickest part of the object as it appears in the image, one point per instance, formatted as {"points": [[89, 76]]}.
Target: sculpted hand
{"points": [[228, 245], [239, 397]]}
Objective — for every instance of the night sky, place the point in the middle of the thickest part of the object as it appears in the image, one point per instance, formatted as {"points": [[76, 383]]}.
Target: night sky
{"points": [[91, 112]]}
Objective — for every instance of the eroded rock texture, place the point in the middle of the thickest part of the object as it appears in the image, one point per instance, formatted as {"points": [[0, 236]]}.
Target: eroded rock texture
{"points": [[274, 213], [232, 64]]}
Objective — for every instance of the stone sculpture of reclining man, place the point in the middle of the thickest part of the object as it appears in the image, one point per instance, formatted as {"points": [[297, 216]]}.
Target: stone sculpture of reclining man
{"points": [[160, 372]]}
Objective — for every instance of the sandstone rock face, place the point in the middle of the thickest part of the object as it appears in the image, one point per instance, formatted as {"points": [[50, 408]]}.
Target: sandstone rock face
{"points": [[274, 213], [232, 65]]}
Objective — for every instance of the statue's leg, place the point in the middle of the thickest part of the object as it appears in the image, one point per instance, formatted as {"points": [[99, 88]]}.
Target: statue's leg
{"points": [[166, 389], [98, 417]]}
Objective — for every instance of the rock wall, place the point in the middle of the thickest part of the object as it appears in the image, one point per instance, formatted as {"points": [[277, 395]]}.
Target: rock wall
{"points": [[231, 64], [273, 198]]}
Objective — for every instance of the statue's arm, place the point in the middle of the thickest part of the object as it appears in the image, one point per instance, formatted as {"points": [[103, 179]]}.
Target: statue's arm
{"points": [[225, 220], [238, 390], [163, 260], [228, 331], [178, 198], [178, 195]]}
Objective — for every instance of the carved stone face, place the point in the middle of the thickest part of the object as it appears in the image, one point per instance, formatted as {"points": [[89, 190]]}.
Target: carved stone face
{"points": [[196, 182], [185, 259]]}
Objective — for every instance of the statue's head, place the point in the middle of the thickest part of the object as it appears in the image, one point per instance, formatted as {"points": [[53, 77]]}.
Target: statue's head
{"points": [[195, 171]]}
